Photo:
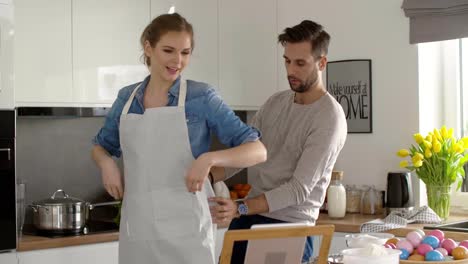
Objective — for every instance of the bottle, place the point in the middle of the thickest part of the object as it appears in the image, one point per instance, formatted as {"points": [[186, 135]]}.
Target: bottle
{"points": [[336, 196]]}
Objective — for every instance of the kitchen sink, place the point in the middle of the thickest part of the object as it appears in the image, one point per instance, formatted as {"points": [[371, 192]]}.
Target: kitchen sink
{"points": [[461, 226]]}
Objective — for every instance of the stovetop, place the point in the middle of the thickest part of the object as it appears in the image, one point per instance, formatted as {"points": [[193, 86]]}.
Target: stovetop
{"points": [[92, 227]]}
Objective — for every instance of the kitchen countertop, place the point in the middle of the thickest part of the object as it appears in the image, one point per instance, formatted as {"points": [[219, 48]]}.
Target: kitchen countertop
{"points": [[349, 224]]}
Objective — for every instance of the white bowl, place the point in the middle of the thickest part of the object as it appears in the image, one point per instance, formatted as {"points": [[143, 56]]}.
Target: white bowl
{"points": [[360, 240]]}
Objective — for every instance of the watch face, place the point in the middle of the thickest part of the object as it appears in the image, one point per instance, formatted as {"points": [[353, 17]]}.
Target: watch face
{"points": [[243, 210]]}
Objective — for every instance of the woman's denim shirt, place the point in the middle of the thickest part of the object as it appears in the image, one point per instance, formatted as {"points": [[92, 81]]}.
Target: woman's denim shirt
{"points": [[205, 113]]}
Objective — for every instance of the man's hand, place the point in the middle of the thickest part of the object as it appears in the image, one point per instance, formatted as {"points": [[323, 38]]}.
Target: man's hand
{"points": [[224, 210]]}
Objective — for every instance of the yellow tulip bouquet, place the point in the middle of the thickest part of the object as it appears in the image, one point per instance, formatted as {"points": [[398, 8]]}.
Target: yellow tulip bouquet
{"points": [[438, 161]]}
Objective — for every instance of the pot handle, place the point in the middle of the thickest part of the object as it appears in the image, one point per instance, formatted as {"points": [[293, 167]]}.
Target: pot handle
{"points": [[91, 206], [36, 207], [64, 195]]}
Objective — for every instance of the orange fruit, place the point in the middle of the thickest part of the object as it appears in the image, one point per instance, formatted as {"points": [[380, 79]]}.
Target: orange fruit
{"points": [[246, 187], [460, 252], [233, 195], [238, 186], [241, 194], [393, 240]]}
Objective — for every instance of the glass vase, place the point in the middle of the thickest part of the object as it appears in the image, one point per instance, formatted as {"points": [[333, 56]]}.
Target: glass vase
{"points": [[438, 199]]}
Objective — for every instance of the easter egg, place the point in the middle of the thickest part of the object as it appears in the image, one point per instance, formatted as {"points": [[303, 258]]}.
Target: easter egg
{"points": [[420, 232], [460, 252], [449, 244], [414, 238], [434, 255], [404, 254], [437, 233], [390, 245], [431, 240], [416, 257], [405, 244], [423, 249], [393, 240], [443, 251], [464, 243]]}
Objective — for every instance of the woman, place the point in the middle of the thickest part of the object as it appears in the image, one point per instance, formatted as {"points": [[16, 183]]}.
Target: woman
{"points": [[163, 126]]}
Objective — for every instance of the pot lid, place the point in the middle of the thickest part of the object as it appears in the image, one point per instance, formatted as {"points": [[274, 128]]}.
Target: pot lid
{"points": [[60, 198]]}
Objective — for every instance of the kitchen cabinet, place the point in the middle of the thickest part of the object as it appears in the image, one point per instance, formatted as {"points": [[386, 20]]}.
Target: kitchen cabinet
{"points": [[106, 48], [100, 253], [7, 100], [8, 258], [42, 52], [202, 14], [247, 52]]}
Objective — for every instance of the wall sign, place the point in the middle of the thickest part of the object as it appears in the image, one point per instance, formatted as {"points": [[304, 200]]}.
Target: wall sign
{"points": [[350, 82]]}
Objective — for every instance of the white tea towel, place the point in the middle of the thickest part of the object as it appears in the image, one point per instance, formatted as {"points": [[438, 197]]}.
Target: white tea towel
{"points": [[423, 215]]}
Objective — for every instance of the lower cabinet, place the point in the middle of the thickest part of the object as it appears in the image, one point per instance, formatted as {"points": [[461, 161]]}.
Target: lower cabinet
{"points": [[8, 258], [100, 253]]}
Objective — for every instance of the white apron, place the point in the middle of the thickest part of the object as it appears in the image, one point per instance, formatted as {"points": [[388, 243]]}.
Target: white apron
{"points": [[161, 221]]}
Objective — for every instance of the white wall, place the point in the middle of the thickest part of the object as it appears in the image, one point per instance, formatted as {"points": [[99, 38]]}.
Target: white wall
{"points": [[376, 30]]}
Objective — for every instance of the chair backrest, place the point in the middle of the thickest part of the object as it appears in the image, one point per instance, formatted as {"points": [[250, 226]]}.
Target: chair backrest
{"points": [[326, 231]]}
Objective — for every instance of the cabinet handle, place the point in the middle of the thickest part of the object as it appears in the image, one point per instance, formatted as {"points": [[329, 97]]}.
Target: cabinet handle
{"points": [[8, 150]]}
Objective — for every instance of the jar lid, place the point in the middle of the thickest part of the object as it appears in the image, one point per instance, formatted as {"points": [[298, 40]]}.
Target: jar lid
{"points": [[337, 176]]}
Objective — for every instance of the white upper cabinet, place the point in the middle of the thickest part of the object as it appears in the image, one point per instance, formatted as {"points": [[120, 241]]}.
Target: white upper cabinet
{"points": [[7, 97], [106, 48], [202, 14], [247, 52], [42, 52]]}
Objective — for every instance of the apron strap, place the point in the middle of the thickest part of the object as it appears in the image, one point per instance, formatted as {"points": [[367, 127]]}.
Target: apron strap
{"points": [[182, 92], [182, 95], [129, 101]]}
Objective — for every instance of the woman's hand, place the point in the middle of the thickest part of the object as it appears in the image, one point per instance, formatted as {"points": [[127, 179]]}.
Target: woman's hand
{"points": [[112, 179], [224, 210], [198, 172]]}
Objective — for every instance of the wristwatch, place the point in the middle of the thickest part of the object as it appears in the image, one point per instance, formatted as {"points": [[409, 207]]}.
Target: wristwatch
{"points": [[242, 208]]}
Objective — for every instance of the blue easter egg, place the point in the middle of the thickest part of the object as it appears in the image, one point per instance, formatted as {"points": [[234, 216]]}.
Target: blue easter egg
{"points": [[404, 254], [434, 255], [431, 241]]}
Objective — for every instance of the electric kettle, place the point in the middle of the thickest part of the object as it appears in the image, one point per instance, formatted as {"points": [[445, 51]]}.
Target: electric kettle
{"points": [[399, 192]]}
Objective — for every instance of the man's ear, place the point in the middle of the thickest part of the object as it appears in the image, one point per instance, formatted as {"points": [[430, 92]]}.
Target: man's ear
{"points": [[323, 63]]}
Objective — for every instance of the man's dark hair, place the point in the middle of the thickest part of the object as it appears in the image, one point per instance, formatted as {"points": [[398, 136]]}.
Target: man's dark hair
{"points": [[307, 31]]}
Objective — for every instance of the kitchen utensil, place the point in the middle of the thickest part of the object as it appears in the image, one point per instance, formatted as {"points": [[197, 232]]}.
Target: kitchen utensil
{"points": [[399, 192], [20, 206], [62, 214]]}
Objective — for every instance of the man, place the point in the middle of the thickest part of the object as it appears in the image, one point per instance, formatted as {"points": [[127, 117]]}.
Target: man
{"points": [[304, 130]]}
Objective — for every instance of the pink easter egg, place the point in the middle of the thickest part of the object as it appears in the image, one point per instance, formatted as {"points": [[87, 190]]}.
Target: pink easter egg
{"points": [[437, 233], [405, 244], [464, 243], [443, 251], [423, 249], [414, 238], [449, 244]]}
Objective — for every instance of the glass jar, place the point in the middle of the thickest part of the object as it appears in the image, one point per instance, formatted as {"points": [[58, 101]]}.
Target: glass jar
{"points": [[371, 201], [336, 196], [353, 199]]}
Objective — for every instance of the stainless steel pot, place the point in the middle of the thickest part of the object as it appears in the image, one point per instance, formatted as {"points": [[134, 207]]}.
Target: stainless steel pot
{"points": [[62, 213]]}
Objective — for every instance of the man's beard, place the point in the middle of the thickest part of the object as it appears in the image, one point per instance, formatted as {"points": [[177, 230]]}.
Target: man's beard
{"points": [[304, 86]]}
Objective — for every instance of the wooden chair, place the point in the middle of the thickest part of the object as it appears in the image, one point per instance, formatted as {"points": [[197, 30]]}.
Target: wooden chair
{"points": [[326, 231]]}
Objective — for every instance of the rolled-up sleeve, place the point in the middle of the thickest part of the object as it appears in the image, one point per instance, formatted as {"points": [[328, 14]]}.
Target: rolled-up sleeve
{"points": [[108, 135], [231, 131]]}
